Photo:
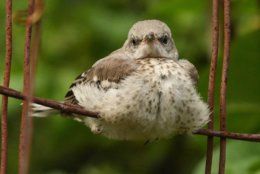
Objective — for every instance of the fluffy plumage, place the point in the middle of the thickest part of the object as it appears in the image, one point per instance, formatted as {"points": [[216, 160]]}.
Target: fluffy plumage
{"points": [[142, 91]]}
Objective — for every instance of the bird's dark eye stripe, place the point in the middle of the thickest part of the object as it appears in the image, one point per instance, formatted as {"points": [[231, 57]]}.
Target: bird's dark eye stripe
{"points": [[164, 39], [135, 41]]}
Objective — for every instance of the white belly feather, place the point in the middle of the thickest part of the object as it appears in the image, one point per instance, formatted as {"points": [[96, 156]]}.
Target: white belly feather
{"points": [[155, 101]]}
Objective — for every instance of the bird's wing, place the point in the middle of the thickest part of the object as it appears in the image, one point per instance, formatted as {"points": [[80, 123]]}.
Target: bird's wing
{"points": [[194, 75], [110, 69]]}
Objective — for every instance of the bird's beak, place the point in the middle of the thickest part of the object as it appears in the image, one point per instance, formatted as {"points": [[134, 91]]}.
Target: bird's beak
{"points": [[149, 37]]}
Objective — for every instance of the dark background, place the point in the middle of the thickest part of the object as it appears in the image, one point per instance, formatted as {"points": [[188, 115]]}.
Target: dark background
{"points": [[76, 33]]}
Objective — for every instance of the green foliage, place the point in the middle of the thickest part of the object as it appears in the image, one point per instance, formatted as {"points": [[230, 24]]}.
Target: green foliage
{"points": [[242, 158], [76, 33]]}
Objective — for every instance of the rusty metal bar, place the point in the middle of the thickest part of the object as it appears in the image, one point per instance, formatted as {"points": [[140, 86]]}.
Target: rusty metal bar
{"points": [[223, 88], [212, 79], [23, 165], [35, 45], [230, 135], [50, 103], [7, 72]]}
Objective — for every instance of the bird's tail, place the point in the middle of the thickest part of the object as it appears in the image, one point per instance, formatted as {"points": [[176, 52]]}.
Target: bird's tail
{"points": [[42, 111]]}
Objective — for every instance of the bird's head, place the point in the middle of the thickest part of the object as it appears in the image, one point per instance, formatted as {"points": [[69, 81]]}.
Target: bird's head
{"points": [[150, 38]]}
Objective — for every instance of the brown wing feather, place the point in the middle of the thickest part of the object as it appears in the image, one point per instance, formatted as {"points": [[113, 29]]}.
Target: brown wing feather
{"points": [[194, 75], [111, 69]]}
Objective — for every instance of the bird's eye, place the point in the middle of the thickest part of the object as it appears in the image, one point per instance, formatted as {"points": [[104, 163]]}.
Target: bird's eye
{"points": [[164, 39], [135, 41]]}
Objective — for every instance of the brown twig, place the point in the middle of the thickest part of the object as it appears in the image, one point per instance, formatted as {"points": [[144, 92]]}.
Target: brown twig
{"points": [[212, 79], [223, 88], [7, 72], [69, 108]]}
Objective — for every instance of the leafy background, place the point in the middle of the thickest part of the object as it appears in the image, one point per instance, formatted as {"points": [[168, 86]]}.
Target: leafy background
{"points": [[76, 33]]}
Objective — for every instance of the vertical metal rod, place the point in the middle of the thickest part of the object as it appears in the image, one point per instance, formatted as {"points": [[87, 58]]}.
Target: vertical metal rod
{"points": [[23, 165], [7, 72], [35, 45], [223, 89], [212, 79]]}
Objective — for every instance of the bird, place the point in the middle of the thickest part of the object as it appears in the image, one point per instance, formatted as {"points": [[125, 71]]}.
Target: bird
{"points": [[142, 91]]}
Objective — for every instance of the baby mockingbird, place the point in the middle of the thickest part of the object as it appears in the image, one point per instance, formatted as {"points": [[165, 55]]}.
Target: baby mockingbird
{"points": [[142, 91]]}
